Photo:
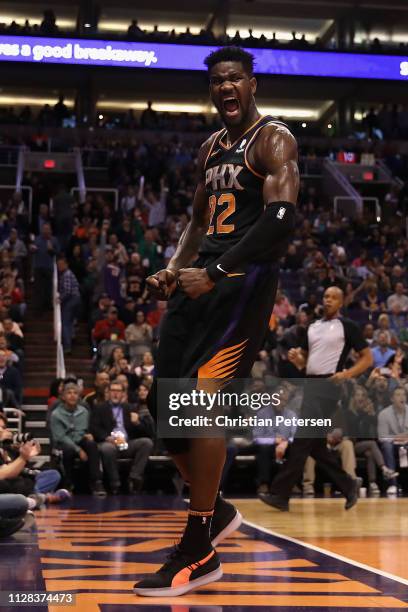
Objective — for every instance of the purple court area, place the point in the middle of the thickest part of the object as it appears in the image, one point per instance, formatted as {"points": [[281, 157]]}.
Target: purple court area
{"points": [[76, 547]]}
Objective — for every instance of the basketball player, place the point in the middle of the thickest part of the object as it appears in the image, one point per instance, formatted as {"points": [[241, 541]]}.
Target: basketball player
{"points": [[220, 303]]}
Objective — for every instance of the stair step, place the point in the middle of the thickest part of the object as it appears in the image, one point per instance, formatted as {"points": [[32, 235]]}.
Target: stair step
{"points": [[35, 424]]}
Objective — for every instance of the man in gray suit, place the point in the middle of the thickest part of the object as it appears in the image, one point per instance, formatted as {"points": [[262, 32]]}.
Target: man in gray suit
{"points": [[393, 433]]}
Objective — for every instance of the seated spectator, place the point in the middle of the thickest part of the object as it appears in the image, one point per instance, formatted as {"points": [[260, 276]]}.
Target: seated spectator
{"points": [[261, 365], [130, 390], [15, 342], [122, 366], [362, 425], [399, 297], [146, 369], [127, 311], [12, 357], [56, 391], [101, 310], [15, 310], [382, 353], [129, 201], [398, 322], [69, 425], [283, 309], [117, 353], [122, 431], [293, 259], [271, 444], [379, 388], [155, 316], [110, 328], [100, 393], [13, 512], [16, 248], [139, 331], [393, 434], [337, 442], [368, 333], [112, 275], [371, 302], [10, 382], [384, 325], [16, 478]]}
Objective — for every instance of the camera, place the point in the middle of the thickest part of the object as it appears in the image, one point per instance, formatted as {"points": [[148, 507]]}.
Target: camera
{"points": [[18, 439]]}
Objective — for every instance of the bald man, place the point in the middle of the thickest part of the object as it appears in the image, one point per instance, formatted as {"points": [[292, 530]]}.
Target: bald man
{"points": [[328, 344]]}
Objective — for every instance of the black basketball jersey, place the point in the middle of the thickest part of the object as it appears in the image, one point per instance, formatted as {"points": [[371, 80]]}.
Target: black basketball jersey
{"points": [[234, 189]]}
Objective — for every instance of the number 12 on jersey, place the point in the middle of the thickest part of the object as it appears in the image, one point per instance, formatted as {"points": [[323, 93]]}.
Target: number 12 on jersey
{"points": [[221, 226]]}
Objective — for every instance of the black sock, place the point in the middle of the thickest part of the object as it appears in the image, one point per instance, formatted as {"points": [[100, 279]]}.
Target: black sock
{"points": [[196, 537]]}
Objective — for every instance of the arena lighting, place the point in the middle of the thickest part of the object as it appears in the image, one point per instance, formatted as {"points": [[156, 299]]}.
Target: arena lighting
{"points": [[383, 36], [304, 125], [185, 107], [11, 100], [329, 125], [36, 20], [280, 34], [100, 116], [122, 26], [87, 25], [191, 57]]}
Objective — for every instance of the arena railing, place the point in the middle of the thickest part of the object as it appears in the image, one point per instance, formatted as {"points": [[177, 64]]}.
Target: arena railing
{"points": [[9, 155], [60, 361], [347, 205]]}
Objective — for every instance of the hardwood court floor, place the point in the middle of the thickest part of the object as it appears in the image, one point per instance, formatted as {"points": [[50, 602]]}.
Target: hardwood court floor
{"points": [[97, 548], [375, 532]]}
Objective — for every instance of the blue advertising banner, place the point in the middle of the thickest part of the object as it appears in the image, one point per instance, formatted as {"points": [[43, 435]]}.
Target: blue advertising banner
{"points": [[190, 57]]}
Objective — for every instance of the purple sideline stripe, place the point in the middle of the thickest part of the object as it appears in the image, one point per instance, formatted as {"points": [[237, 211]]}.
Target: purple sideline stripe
{"points": [[191, 57]]}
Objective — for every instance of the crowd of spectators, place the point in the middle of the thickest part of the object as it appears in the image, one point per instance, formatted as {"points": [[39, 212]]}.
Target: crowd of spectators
{"points": [[116, 250], [104, 257], [378, 124], [388, 122], [48, 27], [13, 255]]}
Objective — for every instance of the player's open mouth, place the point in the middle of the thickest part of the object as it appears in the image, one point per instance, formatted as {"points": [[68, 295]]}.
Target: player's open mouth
{"points": [[231, 106]]}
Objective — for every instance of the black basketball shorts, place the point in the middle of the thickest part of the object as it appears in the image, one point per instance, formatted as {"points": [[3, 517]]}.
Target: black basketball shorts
{"points": [[217, 335]]}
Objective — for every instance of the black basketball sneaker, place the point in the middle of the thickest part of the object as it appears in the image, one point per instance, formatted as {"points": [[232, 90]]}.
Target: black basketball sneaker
{"points": [[225, 520], [181, 573]]}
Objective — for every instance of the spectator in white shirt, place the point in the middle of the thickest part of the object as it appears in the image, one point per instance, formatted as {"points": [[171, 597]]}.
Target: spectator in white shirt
{"points": [[399, 298], [156, 205], [129, 201]]}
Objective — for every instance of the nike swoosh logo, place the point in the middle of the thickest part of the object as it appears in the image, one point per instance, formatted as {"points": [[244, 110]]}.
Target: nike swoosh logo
{"points": [[221, 269]]}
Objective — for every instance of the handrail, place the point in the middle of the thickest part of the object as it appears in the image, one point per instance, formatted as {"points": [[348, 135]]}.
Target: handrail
{"points": [[60, 368], [20, 168], [342, 180], [377, 206], [80, 175], [14, 419]]}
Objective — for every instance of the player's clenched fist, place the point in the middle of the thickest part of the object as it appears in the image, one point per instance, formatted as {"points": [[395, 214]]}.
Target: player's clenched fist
{"points": [[162, 284], [195, 281]]}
